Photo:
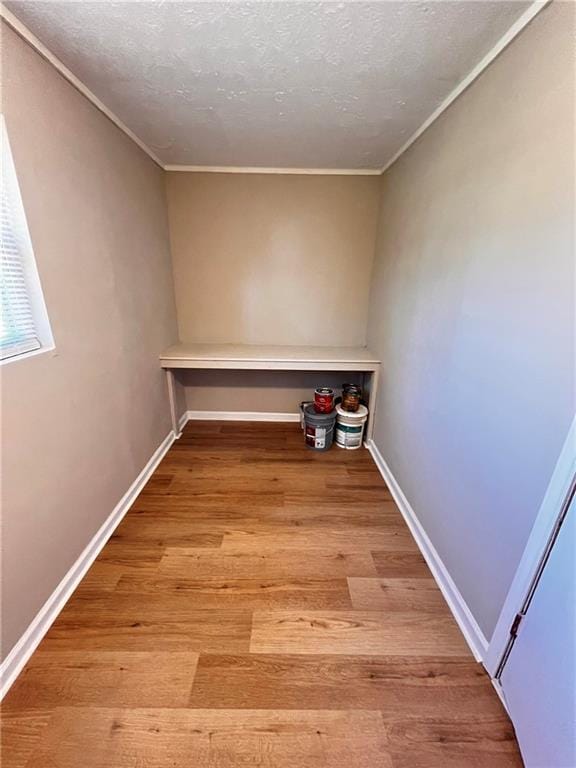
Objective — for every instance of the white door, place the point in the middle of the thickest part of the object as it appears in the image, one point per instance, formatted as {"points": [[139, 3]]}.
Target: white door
{"points": [[539, 676]]}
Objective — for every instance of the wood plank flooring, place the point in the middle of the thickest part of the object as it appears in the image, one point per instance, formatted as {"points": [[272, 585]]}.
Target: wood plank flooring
{"points": [[260, 605]]}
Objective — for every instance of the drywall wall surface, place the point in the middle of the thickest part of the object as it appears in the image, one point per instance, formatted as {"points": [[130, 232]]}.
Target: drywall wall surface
{"points": [[272, 259], [472, 310], [258, 391], [79, 423]]}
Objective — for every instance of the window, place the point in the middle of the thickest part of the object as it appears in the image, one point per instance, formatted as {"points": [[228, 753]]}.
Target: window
{"points": [[24, 326]]}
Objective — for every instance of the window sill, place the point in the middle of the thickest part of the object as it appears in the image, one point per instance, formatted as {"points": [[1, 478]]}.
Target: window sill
{"points": [[26, 355]]}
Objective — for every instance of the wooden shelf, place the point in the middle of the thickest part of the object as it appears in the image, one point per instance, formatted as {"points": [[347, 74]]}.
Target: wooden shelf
{"points": [[255, 357]]}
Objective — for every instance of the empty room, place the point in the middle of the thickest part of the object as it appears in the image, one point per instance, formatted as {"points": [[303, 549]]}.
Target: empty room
{"points": [[288, 384]]}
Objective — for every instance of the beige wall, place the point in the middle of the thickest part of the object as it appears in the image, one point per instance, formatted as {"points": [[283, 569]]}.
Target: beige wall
{"points": [[472, 310], [259, 391], [79, 423], [272, 259]]}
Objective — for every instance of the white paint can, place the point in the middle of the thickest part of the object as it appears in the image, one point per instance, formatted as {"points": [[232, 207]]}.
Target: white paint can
{"points": [[350, 427]]}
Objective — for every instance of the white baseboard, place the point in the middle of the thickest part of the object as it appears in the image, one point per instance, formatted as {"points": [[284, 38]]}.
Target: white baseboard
{"points": [[182, 421], [25, 647], [466, 621], [240, 416], [500, 691]]}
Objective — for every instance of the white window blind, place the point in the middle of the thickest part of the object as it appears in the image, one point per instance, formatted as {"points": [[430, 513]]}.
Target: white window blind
{"points": [[17, 329], [24, 324]]}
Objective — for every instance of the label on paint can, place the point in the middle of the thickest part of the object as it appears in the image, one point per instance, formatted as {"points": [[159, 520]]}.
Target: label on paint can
{"points": [[316, 436], [349, 436], [323, 400]]}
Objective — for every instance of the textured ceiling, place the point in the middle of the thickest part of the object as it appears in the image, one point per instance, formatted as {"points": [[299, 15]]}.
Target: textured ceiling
{"points": [[282, 84]]}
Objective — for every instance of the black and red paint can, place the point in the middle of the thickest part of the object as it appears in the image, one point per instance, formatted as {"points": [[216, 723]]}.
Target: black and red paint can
{"points": [[323, 400]]}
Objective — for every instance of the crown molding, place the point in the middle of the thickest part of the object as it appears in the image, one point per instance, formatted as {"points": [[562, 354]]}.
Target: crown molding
{"points": [[295, 171], [503, 42], [30, 38]]}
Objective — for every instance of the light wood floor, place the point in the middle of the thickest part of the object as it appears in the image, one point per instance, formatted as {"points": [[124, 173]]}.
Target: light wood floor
{"points": [[258, 606]]}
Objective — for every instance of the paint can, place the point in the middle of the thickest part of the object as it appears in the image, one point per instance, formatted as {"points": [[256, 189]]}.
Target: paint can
{"points": [[323, 399], [319, 428], [350, 427], [351, 396]]}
